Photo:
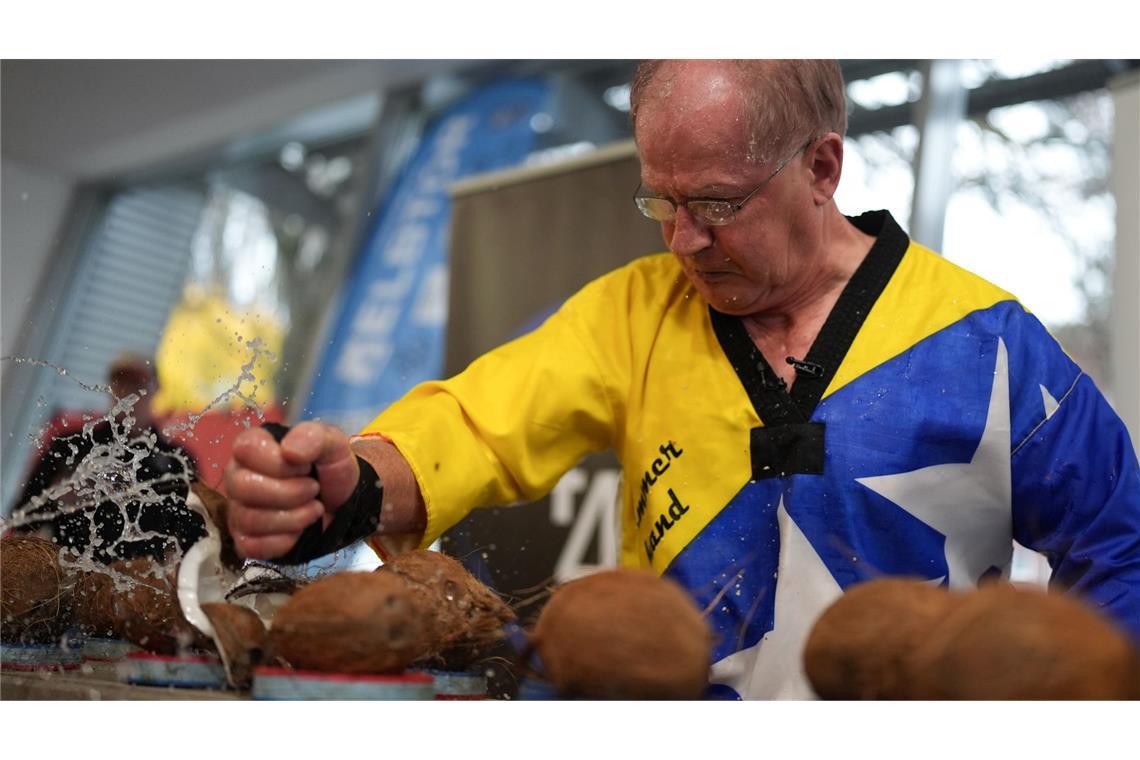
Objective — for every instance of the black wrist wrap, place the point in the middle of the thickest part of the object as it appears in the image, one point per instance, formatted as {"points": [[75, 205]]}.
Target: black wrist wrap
{"points": [[358, 517]]}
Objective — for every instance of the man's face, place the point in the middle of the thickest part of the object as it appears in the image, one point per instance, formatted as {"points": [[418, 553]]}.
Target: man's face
{"points": [[694, 143], [142, 383]]}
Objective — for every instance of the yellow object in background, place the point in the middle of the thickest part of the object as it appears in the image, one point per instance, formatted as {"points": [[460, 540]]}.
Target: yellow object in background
{"points": [[204, 349]]}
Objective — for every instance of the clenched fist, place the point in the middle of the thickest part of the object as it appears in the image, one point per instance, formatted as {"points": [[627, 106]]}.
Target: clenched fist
{"points": [[272, 498]]}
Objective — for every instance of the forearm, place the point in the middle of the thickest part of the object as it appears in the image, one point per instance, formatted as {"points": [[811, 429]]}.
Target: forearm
{"points": [[402, 511]]}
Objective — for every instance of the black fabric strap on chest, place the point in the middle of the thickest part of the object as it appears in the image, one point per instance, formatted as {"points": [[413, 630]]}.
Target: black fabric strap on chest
{"points": [[788, 442], [768, 393], [357, 518]]}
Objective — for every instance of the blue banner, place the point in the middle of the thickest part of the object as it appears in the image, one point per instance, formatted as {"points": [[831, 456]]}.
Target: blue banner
{"points": [[389, 331]]}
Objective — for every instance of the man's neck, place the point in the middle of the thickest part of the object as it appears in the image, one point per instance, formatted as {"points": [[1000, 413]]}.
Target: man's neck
{"points": [[789, 326]]}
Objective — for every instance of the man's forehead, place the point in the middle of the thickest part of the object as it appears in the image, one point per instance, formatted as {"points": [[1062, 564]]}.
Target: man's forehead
{"points": [[692, 86], [706, 142]]}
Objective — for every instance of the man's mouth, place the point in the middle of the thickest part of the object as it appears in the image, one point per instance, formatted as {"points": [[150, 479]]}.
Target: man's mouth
{"points": [[712, 273]]}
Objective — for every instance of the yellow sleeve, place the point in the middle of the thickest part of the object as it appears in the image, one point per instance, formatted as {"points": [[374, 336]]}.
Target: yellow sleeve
{"points": [[509, 426]]}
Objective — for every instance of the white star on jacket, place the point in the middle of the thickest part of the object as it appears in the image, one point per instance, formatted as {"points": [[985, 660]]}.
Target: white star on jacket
{"points": [[963, 502]]}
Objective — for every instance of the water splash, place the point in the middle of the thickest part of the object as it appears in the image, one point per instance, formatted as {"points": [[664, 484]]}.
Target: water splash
{"points": [[234, 391], [59, 370], [115, 472], [110, 473]]}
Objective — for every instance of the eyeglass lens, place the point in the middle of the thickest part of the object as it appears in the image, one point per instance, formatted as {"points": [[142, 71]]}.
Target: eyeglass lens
{"points": [[663, 210]]}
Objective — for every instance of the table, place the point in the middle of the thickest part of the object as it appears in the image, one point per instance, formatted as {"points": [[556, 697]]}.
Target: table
{"points": [[94, 683]]}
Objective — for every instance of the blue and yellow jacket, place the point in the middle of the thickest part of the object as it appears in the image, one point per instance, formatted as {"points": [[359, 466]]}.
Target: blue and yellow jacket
{"points": [[933, 422]]}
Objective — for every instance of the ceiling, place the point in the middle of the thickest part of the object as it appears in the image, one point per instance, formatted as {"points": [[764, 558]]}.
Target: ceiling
{"points": [[94, 119]]}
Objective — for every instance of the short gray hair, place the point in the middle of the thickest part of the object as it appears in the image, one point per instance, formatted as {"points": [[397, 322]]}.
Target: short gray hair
{"points": [[789, 101]]}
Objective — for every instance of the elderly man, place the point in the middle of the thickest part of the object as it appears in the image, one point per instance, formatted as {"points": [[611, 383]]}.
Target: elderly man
{"points": [[800, 400]]}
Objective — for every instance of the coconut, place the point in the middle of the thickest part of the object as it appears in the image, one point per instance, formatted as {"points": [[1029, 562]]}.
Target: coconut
{"points": [[624, 634], [858, 647], [93, 603], [463, 617], [147, 612], [1008, 643], [350, 623], [240, 637], [33, 589]]}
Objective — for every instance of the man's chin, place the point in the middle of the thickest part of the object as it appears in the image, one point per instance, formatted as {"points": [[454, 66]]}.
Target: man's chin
{"points": [[727, 292], [734, 301]]}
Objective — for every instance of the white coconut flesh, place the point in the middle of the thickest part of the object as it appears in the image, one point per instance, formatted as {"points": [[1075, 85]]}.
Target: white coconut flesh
{"points": [[204, 578]]}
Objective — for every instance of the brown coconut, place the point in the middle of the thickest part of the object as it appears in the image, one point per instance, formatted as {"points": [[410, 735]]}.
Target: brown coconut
{"points": [[858, 647], [34, 591], [1008, 643], [624, 634], [463, 617], [93, 603], [147, 612], [241, 639], [350, 623]]}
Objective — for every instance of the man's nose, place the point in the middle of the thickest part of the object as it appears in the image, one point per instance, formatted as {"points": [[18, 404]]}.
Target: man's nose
{"points": [[687, 235]]}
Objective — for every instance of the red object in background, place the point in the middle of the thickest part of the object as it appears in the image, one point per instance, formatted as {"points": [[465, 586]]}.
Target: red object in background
{"points": [[211, 438]]}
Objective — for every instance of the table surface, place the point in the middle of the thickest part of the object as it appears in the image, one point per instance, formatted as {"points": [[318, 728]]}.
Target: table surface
{"points": [[94, 684]]}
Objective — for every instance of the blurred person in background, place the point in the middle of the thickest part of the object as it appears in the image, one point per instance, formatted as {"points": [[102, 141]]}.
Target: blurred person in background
{"points": [[123, 449], [800, 400]]}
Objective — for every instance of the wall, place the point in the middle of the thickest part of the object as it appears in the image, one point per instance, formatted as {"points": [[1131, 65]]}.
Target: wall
{"points": [[34, 204], [1125, 382]]}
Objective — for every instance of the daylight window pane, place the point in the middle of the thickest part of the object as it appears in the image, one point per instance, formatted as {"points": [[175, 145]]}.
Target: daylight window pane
{"points": [[878, 173], [1034, 214]]}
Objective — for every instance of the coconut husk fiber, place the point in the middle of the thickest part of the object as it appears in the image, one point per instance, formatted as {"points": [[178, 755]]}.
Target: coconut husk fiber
{"points": [[1003, 642], [463, 618], [624, 634], [241, 639], [93, 603], [858, 647], [147, 611], [350, 622], [34, 591]]}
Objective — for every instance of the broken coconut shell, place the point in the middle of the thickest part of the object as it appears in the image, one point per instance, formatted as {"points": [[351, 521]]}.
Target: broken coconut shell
{"points": [[1004, 642], [240, 637], [34, 591], [350, 622], [463, 617], [624, 634], [857, 648]]}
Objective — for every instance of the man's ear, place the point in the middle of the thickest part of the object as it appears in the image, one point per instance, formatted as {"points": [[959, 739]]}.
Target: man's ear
{"points": [[826, 156]]}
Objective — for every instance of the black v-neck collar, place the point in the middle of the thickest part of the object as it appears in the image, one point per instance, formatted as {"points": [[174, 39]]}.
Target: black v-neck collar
{"points": [[768, 393]]}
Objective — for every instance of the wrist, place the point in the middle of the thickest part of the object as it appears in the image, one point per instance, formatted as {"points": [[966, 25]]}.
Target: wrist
{"points": [[403, 511]]}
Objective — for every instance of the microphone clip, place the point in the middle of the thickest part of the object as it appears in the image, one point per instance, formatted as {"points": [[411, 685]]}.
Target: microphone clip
{"points": [[811, 369]]}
